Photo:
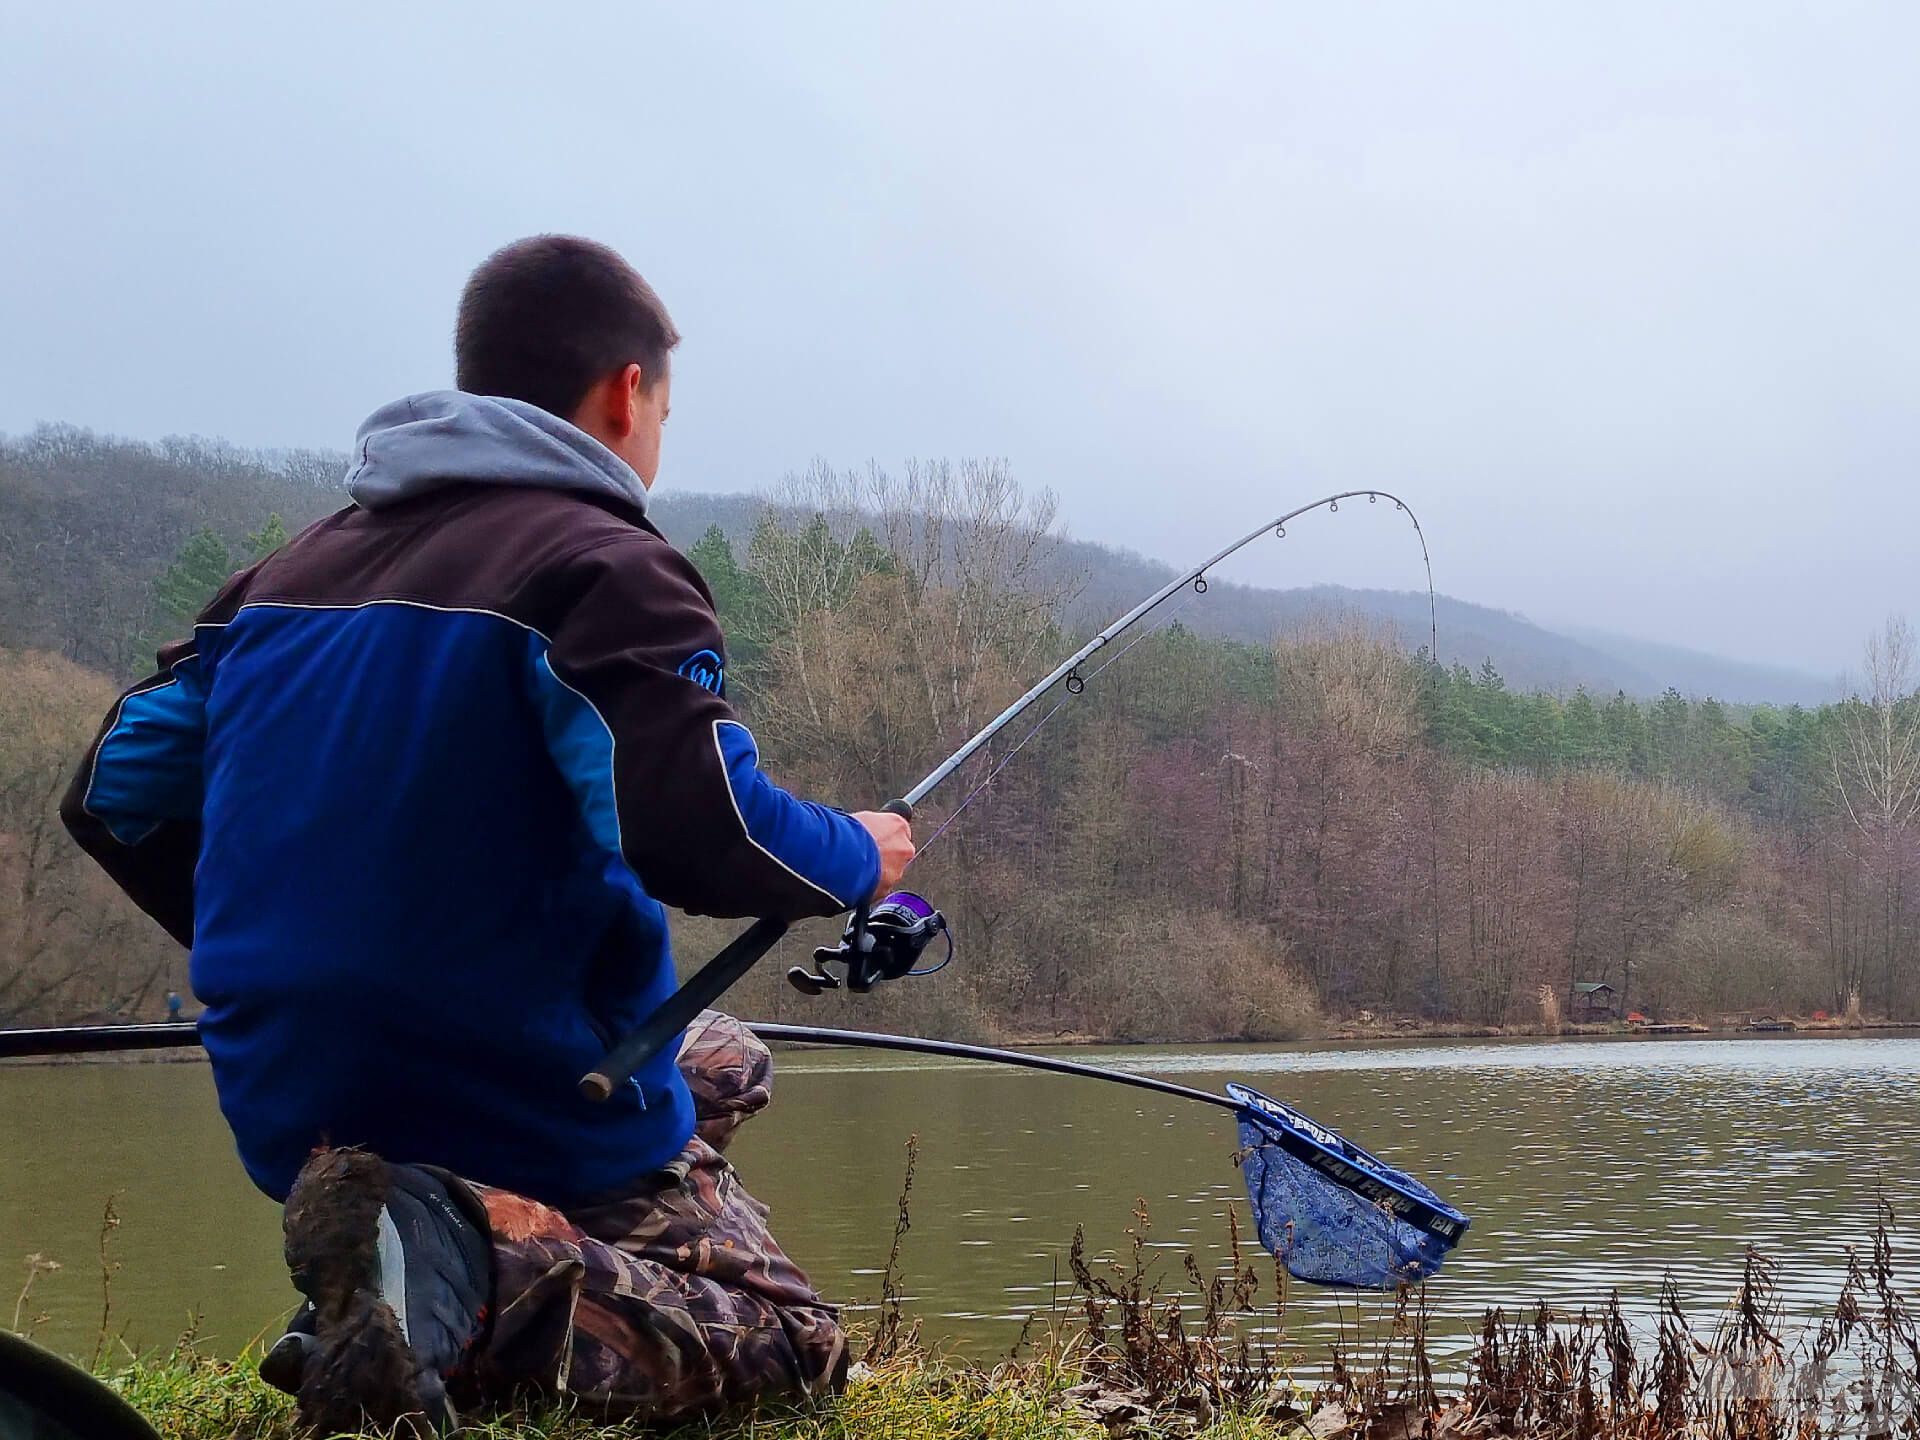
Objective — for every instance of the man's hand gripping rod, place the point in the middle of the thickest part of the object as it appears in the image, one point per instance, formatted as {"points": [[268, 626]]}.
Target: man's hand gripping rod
{"points": [[713, 979]]}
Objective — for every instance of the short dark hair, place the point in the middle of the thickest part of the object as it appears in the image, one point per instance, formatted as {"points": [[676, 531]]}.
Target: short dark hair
{"points": [[545, 318]]}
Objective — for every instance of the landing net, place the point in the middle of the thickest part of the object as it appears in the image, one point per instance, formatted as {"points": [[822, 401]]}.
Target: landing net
{"points": [[1332, 1213]]}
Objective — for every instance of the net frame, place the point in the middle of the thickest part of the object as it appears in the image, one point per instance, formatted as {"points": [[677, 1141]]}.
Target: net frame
{"points": [[1332, 1212]]}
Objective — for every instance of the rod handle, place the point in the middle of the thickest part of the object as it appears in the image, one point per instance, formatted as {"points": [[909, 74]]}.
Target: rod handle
{"points": [[707, 985], [660, 1029]]}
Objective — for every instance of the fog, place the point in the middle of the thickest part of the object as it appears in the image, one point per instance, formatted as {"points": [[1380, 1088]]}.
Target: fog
{"points": [[1622, 298]]}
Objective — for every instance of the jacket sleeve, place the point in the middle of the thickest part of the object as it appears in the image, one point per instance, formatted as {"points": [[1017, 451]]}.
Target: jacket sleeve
{"points": [[134, 803], [631, 693]]}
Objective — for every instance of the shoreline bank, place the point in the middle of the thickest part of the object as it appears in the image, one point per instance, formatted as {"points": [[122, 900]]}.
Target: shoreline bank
{"points": [[1351, 1036]]}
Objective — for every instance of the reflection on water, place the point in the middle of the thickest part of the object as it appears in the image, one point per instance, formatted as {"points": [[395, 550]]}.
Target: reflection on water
{"points": [[1586, 1166]]}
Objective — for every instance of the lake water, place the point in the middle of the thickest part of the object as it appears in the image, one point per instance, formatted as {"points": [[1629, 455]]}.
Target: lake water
{"points": [[1586, 1166]]}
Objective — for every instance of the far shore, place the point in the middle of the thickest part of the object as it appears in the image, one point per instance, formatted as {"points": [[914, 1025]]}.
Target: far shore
{"points": [[1355, 1034], [1361, 1036]]}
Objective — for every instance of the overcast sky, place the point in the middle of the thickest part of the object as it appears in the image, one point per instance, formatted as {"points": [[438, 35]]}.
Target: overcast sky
{"points": [[1623, 298]]}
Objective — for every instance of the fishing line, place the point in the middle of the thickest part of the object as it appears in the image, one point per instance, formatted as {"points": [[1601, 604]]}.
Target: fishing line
{"points": [[1076, 683], [1072, 692]]}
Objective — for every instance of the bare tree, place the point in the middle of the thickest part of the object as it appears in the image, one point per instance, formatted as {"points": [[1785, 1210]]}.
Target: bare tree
{"points": [[981, 590], [1874, 756], [1875, 750], [69, 943], [904, 609], [1348, 681]]}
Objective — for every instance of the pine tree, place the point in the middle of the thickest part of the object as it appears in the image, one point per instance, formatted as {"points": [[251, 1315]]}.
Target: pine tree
{"points": [[198, 571], [185, 587], [268, 538], [867, 556], [1541, 734], [738, 598], [1624, 724], [1454, 722], [1667, 733], [1583, 742], [1497, 726], [1719, 756]]}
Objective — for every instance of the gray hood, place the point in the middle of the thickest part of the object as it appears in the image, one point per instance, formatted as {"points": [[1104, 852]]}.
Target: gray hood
{"points": [[448, 437]]}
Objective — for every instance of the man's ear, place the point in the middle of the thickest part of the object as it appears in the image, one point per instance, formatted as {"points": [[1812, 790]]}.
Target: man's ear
{"points": [[624, 394], [612, 406], [630, 390]]}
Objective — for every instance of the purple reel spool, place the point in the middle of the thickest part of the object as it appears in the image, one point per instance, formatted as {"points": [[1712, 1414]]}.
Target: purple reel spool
{"points": [[903, 908], [902, 926]]}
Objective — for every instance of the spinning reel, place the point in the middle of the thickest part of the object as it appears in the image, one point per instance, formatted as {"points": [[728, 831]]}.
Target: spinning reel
{"points": [[882, 942]]}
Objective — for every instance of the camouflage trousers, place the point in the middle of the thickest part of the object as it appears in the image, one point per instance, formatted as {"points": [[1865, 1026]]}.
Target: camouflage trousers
{"points": [[672, 1299]]}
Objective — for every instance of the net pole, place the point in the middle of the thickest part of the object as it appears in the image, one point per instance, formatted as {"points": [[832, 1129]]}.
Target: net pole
{"points": [[953, 1049], [108, 1039]]}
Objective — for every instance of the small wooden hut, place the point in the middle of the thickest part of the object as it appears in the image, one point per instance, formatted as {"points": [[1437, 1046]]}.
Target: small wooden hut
{"points": [[1593, 1001]]}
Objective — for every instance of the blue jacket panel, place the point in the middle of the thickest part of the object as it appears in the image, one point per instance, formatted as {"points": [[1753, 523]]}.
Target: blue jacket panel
{"points": [[406, 936]]}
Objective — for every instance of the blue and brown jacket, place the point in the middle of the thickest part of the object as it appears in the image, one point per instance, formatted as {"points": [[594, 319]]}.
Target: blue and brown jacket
{"points": [[416, 791]]}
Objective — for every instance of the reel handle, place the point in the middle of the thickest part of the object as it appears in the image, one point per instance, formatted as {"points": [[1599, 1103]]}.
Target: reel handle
{"points": [[816, 981]]}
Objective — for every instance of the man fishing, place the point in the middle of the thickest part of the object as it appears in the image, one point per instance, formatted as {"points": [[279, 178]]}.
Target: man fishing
{"points": [[450, 752]]}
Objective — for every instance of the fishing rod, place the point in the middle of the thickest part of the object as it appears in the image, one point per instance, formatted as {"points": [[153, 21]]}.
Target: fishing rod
{"points": [[885, 941], [1320, 1148]]}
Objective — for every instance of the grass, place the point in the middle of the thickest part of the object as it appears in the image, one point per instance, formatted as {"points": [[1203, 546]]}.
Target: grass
{"points": [[193, 1397], [1130, 1359]]}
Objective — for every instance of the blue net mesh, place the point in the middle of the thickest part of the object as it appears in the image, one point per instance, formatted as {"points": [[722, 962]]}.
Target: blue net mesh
{"points": [[1325, 1233]]}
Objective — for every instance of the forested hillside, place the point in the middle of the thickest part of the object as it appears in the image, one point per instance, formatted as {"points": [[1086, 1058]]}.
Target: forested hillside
{"points": [[87, 524], [1222, 838], [1215, 822]]}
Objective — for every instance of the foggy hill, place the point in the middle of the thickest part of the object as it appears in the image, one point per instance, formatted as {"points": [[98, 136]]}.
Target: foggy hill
{"points": [[1714, 674], [87, 522], [1529, 656]]}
